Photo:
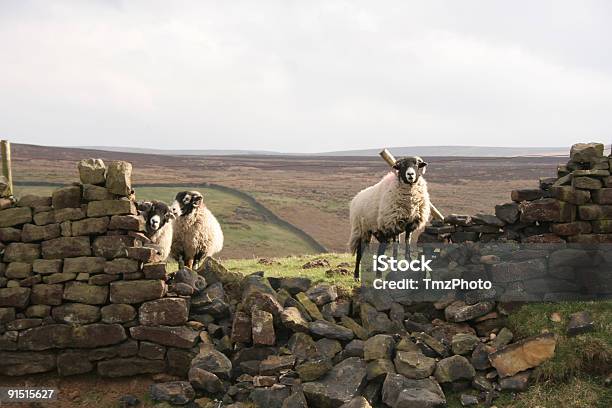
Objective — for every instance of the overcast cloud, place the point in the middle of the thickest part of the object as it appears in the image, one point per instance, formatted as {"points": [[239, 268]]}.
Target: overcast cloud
{"points": [[304, 76]]}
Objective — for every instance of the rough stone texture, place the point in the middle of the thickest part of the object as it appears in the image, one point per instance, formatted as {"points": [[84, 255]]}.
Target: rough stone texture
{"points": [[121, 265], [136, 291], [508, 213], [68, 336], [47, 266], [95, 193], [111, 247], [32, 233], [525, 354], [92, 171], [460, 312], [262, 324], [580, 322], [18, 270], [123, 367], [414, 365], [67, 197], [401, 392], [339, 386], [10, 234], [172, 336], [454, 368], [127, 222], [377, 347], [603, 196], [87, 264], [76, 313], [330, 330], [18, 252], [33, 200], [73, 362], [20, 363], [66, 247], [15, 216], [322, 293], [586, 152], [214, 362], [110, 207], [14, 297], [168, 311], [118, 313], [119, 178], [293, 319], [547, 209], [90, 226], [84, 293], [47, 294]]}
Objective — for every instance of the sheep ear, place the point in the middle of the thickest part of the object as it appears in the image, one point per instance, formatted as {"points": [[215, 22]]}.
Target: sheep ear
{"points": [[422, 164], [143, 206], [197, 200]]}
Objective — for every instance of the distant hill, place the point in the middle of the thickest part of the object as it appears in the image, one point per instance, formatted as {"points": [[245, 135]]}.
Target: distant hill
{"points": [[428, 151]]}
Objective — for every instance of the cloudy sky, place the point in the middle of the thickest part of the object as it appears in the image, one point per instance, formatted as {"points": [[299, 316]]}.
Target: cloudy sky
{"points": [[304, 76]]}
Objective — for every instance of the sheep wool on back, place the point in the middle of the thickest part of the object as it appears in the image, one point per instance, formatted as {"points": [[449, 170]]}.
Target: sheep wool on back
{"points": [[387, 204], [197, 234]]}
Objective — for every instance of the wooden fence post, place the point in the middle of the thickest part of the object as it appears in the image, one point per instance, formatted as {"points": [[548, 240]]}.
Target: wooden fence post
{"points": [[5, 146]]}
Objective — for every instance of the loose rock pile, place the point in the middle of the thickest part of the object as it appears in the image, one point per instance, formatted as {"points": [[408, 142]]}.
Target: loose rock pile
{"points": [[81, 289], [574, 207], [288, 343]]}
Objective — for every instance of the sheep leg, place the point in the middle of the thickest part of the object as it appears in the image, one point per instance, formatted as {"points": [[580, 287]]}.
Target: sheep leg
{"points": [[395, 245], [407, 244], [359, 253], [382, 247]]}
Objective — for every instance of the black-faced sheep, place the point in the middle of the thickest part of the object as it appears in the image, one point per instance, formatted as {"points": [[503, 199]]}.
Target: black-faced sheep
{"points": [[159, 221], [397, 203], [197, 233]]}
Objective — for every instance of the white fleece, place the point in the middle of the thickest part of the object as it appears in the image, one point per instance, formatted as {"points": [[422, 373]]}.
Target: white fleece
{"points": [[387, 205]]}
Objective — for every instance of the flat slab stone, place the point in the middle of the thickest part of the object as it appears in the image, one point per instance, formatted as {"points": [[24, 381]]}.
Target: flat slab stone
{"points": [[339, 386]]}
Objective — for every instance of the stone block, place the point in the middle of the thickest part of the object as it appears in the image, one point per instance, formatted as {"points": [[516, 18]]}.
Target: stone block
{"points": [[15, 216], [66, 247], [92, 171], [32, 233], [66, 197], [137, 291], [110, 207], [85, 293], [90, 226], [119, 178]]}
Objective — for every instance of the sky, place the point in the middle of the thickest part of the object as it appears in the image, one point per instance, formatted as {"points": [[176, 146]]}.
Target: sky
{"points": [[305, 76]]}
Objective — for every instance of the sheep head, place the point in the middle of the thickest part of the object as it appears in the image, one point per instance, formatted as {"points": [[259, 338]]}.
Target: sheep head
{"points": [[410, 169], [186, 202], [156, 215]]}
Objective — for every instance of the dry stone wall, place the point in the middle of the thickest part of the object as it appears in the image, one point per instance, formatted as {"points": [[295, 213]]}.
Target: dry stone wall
{"points": [[574, 207], [82, 288]]}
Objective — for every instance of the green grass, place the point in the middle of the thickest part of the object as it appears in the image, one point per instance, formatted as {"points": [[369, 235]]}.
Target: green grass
{"points": [[589, 353], [248, 232], [292, 266]]}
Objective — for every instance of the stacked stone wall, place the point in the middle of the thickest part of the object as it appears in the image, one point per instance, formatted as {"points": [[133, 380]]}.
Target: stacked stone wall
{"points": [[81, 288], [574, 207]]}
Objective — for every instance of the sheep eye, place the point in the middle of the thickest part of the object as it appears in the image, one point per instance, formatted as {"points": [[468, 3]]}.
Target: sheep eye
{"points": [[187, 199]]}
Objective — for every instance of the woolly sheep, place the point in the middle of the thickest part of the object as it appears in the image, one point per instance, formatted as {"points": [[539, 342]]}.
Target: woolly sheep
{"points": [[158, 225], [197, 233], [397, 203]]}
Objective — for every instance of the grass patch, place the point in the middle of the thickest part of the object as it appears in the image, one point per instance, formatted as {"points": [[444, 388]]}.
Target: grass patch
{"points": [[292, 266], [589, 353], [578, 392]]}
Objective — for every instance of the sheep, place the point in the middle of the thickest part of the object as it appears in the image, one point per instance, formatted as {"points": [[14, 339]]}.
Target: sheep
{"points": [[398, 203], [159, 220], [197, 233]]}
